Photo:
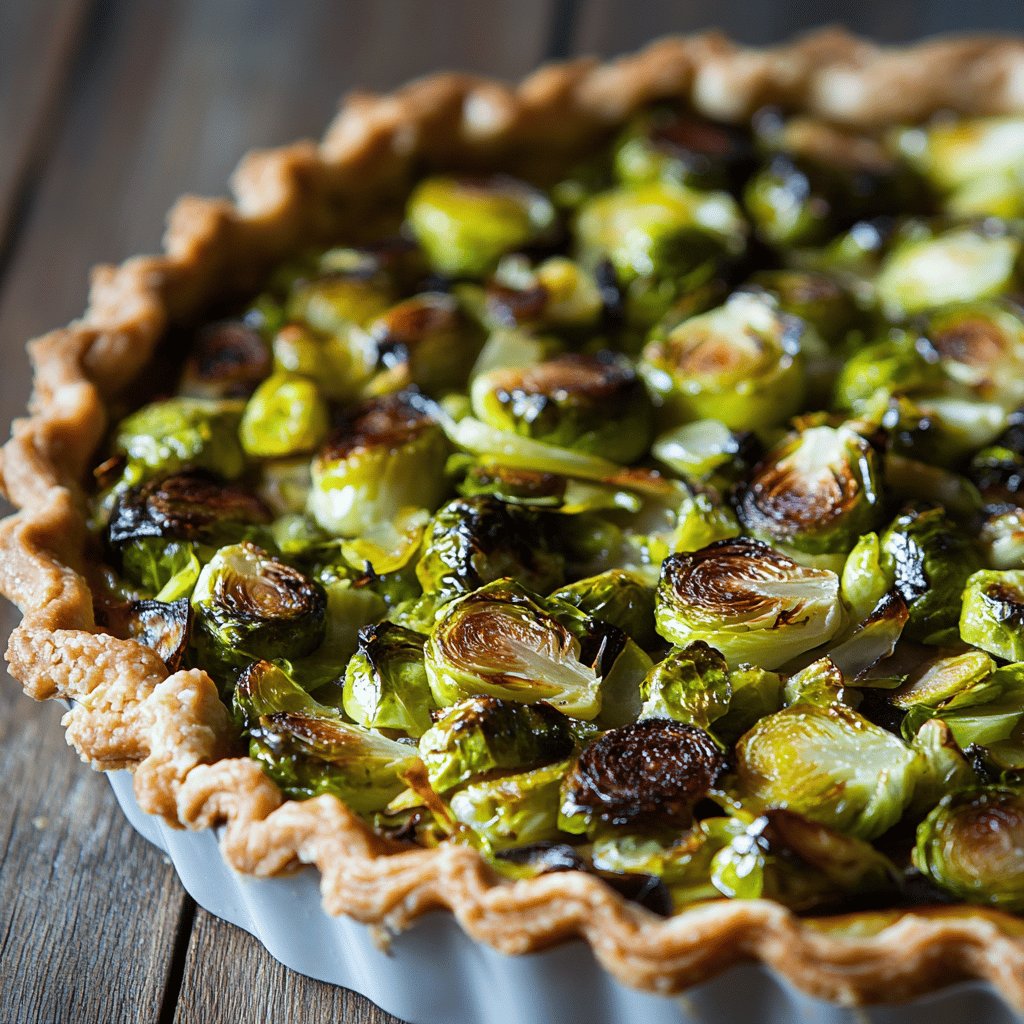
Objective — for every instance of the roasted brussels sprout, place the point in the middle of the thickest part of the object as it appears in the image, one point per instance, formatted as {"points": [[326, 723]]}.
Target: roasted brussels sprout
{"points": [[817, 298], [164, 627], [286, 415], [593, 403], [660, 230], [829, 764], [225, 360], [618, 597], [701, 520], [485, 734], [963, 264], [181, 433], [386, 680], [557, 295], [650, 773], [992, 617], [900, 363], [515, 810], [944, 680], [1002, 539], [465, 225], [944, 767], [739, 364], [387, 455], [340, 297], [473, 541], [748, 601], [690, 685], [248, 602], [970, 846], [998, 468], [815, 492], [308, 749], [703, 448], [500, 640]]}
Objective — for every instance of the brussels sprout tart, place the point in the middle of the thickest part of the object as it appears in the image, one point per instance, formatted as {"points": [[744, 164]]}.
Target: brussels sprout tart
{"points": [[594, 507]]}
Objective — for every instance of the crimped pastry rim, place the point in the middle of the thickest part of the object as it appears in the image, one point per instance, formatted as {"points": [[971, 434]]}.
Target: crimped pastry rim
{"points": [[173, 731]]}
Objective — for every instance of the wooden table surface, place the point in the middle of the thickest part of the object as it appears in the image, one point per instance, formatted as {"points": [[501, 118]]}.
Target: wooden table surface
{"points": [[109, 109]]}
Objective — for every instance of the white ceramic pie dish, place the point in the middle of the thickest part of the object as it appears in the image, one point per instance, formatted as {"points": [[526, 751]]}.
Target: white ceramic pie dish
{"points": [[435, 974]]}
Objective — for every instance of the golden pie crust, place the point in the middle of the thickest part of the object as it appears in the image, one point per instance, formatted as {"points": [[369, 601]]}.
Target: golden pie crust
{"points": [[173, 732]]}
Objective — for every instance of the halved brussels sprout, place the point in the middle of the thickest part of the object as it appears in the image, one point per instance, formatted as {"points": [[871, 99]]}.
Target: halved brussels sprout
{"points": [[815, 492], [897, 364], [427, 341], [164, 627], [473, 541], [308, 749], [181, 433], [660, 230], [618, 597], [484, 734], [649, 773], [953, 153], [963, 264], [225, 360], [557, 295], [500, 640], [386, 681], [515, 810], [677, 146], [829, 764], [593, 403], [971, 844], [739, 363], [347, 295], [748, 601], [945, 681], [388, 455], [465, 225], [286, 415], [818, 299], [248, 602], [993, 613], [690, 685]]}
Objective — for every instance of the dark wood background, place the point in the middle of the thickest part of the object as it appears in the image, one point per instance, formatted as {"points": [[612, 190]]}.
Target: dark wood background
{"points": [[109, 109]]}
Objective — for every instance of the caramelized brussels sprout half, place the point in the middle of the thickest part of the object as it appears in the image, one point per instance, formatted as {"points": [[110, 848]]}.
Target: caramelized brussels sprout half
{"points": [[465, 225], [181, 433], [163, 627], [500, 640], [748, 601], [225, 360], [650, 773], [815, 492], [593, 403], [963, 264], [660, 230], [286, 415], [830, 765], [386, 680], [992, 617], [618, 597], [387, 455], [473, 541], [308, 749], [486, 734], [739, 363], [690, 685], [970, 846], [247, 601]]}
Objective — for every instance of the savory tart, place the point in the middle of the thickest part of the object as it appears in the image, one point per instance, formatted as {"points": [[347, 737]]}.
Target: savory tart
{"points": [[596, 507]]}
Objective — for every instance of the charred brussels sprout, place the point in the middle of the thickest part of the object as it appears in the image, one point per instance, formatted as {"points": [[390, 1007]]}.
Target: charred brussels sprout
{"points": [[286, 415], [226, 360], [247, 601], [466, 225], [309, 750], [691, 685], [650, 773], [486, 734], [992, 617], [660, 230], [739, 364], [618, 597], [815, 492], [970, 845], [473, 541], [386, 680], [181, 433], [748, 601], [998, 468], [592, 403], [387, 455], [963, 264], [829, 764], [164, 627], [502, 641]]}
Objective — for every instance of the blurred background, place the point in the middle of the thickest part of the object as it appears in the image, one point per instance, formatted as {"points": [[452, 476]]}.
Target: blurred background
{"points": [[110, 109]]}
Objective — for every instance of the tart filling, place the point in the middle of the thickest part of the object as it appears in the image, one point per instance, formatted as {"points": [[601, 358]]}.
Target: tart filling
{"points": [[659, 522]]}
